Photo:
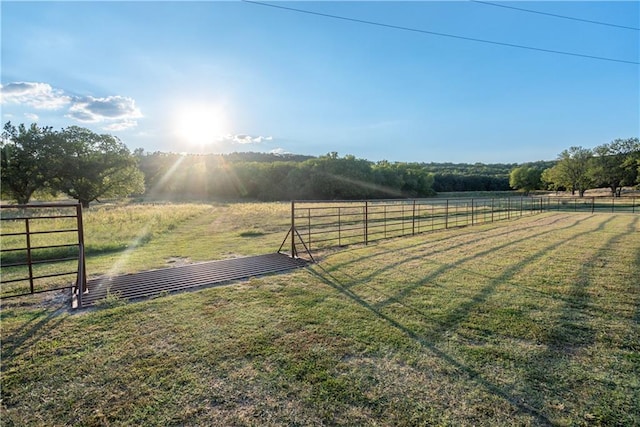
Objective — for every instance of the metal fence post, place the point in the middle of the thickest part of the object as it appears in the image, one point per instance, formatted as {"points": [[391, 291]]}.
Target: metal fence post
{"points": [[82, 287], [293, 229], [366, 222], [385, 220], [339, 228], [413, 221], [472, 206], [492, 200], [309, 229], [29, 260], [446, 215], [521, 199]]}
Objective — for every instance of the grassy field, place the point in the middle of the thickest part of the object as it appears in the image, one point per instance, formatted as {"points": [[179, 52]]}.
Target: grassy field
{"points": [[526, 322]]}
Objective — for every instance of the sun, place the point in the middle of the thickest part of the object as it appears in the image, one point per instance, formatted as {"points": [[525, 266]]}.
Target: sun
{"points": [[200, 125]]}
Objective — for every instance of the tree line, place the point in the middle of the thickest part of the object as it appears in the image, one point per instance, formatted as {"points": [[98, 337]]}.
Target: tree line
{"points": [[613, 165], [170, 175], [89, 166]]}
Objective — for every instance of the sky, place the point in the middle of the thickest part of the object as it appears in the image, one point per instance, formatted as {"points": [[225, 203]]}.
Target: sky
{"points": [[397, 81]]}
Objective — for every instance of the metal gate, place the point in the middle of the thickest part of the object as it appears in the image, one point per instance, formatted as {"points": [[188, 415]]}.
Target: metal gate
{"points": [[40, 241]]}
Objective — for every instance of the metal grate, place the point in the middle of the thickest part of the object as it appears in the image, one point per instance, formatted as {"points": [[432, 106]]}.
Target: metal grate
{"points": [[156, 282]]}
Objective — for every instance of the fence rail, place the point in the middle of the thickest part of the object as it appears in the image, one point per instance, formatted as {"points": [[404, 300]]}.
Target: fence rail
{"points": [[320, 225], [26, 263], [594, 204]]}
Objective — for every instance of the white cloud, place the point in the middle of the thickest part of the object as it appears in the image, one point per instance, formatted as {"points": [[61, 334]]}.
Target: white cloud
{"points": [[115, 112], [31, 116], [38, 95], [247, 139], [96, 110]]}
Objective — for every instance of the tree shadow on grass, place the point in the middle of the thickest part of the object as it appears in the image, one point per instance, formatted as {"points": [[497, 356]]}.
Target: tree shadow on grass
{"points": [[572, 332], [400, 296], [479, 235], [567, 334], [17, 341], [473, 375]]}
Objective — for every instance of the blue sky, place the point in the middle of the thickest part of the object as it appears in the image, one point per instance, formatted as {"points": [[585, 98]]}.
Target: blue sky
{"points": [[236, 76]]}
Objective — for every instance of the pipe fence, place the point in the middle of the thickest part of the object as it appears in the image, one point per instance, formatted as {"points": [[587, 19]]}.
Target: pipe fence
{"points": [[326, 224], [593, 204], [317, 225]]}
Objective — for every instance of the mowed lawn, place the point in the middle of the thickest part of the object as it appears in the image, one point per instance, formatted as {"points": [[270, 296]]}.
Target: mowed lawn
{"points": [[527, 322]]}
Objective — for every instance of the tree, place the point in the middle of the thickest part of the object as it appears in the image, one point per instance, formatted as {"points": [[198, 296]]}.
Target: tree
{"points": [[552, 179], [573, 169], [24, 160], [613, 164], [525, 178], [93, 166]]}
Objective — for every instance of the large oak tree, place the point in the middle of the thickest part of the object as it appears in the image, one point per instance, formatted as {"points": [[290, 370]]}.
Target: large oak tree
{"points": [[613, 164], [25, 165], [74, 161], [92, 166]]}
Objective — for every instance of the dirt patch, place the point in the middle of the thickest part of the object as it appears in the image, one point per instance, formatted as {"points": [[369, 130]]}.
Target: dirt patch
{"points": [[176, 261]]}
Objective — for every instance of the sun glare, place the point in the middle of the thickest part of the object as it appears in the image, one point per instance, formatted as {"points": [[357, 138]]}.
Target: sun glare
{"points": [[200, 125]]}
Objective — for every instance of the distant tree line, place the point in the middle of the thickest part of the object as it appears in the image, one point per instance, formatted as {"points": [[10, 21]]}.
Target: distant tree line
{"points": [[266, 176], [89, 166], [328, 177], [613, 165]]}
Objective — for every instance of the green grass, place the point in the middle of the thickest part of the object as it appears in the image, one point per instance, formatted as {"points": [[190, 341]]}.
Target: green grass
{"points": [[526, 322]]}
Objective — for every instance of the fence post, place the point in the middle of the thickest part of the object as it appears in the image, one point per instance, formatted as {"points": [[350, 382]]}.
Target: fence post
{"points": [[613, 202], [492, 200], [446, 215], [309, 229], [339, 228], [593, 203], [385, 220], [413, 219], [366, 222], [472, 206], [521, 198], [82, 287], [293, 229], [29, 260]]}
